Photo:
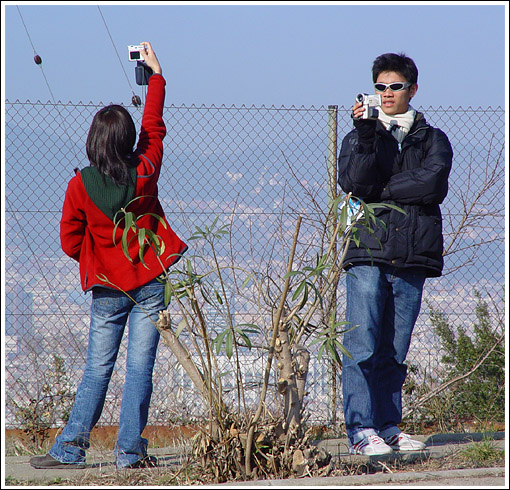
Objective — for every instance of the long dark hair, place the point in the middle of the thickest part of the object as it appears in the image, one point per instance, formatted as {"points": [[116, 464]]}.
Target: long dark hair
{"points": [[110, 143]]}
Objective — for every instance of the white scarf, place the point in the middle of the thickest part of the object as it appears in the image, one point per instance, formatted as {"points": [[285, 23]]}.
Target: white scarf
{"points": [[398, 124]]}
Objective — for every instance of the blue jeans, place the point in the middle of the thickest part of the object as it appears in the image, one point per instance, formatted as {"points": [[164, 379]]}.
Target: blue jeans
{"points": [[385, 303], [110, 312]]}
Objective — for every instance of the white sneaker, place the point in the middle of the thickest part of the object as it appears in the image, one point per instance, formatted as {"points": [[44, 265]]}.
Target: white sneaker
{"points": [[403, 442], [370, 445]]}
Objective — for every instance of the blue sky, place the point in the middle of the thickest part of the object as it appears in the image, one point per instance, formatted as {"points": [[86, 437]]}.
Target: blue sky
{"points": [[272, 53]]}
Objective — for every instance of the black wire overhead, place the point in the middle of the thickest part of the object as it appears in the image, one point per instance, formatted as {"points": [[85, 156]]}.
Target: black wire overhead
{"points": [[37, 58], [50, 288], [135, 98]]}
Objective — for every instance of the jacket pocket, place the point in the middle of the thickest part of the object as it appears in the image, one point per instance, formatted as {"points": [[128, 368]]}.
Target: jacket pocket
{"points": [[428, 240], [374, 235]]}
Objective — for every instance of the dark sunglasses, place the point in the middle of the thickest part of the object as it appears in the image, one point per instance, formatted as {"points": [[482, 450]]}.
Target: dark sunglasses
{"points": [[394, 87]]}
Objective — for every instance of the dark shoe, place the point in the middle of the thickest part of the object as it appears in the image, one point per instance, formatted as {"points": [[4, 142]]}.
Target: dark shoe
{"points": [[147, 462], [48, 462]]}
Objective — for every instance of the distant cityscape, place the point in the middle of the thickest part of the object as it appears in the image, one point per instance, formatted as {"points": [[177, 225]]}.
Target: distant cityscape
{"points": [[47, 313], [41, 323]]}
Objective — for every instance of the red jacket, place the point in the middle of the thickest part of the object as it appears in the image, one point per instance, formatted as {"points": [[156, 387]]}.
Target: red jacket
{"points": [[86, 233]]}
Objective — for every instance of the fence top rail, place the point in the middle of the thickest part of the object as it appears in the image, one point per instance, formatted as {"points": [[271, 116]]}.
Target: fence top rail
{"points": [[324, 108]]}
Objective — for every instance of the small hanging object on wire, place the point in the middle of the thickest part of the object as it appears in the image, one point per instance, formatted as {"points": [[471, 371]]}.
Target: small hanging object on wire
{"points": [[136, 100], [37, 59]]}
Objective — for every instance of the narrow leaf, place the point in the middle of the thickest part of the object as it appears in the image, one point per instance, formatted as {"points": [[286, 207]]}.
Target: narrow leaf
{"points": [[168, 293], [229, 344], [180, 327], [298, 291]]}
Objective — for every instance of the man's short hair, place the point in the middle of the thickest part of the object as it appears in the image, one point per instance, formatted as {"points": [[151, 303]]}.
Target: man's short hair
{"points": [[399, 63]]}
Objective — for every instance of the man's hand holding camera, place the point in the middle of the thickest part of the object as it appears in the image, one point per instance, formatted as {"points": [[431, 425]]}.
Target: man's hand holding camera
{"points": [[365, 126]]}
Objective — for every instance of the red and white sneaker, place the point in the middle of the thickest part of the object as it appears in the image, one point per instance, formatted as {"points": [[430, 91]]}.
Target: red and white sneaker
{"points": [[401, 441], [370, 445]]}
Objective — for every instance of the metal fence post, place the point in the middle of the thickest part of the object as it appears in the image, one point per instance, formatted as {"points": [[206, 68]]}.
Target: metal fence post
{"points": [[332, 194], [332, 154]]}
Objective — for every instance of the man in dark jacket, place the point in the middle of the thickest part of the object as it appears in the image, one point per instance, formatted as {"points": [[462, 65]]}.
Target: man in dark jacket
{"points": [[400, 160]]}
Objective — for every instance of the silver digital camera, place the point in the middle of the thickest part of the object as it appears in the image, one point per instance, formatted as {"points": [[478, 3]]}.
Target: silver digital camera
{"points": [[370, 102], [136, 52]]}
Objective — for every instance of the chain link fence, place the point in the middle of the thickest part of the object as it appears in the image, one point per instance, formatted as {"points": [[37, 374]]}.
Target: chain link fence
{"points": [[257, 169]]}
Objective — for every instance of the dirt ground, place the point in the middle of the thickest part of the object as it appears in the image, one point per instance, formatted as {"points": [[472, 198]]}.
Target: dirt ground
{"points": [[158, 436]]}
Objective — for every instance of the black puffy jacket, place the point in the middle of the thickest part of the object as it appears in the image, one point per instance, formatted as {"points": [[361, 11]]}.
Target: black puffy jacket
{"points": [[412, 176]]}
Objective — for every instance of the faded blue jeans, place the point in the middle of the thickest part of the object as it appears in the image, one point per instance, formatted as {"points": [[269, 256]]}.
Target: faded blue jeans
{"points": [[110, 312], [385, 302]]}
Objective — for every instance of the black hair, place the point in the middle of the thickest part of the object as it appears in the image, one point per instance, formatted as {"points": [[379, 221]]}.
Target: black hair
{"points": [[110, 143], [399, 63]]}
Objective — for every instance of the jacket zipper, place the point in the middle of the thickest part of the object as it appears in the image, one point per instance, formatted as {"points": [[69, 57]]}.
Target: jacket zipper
{"points": [[400, 156], [414, 215]]}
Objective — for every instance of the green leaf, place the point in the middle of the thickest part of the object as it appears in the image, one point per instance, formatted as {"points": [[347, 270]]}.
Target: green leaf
{"points": [[154, 215], [316, 341], [253, 328], [219, 340], [206, 297], [343, 219], [246, 281], [154, 240], [129, 220], [142, 260], [343, 349], [340, 199], [292, 273], [386, 205], [355, 237], [189, 268], [180, 327], [102, 277], [198, 234], [222, 231], [168, 293], [299, 290], [125, 249], [305, 296], [366, 211], [224, 373], [339, 324], [243, 335], [333, 353], [141, 237], [229, 344], [127, 227], [117, 224], [321, 350]]}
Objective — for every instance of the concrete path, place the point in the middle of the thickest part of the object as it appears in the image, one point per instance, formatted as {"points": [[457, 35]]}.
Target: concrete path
{"points": [[101, 464]]}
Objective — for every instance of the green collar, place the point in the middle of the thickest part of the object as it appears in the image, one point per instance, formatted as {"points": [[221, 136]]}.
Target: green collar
{"points": [[105, 194]]}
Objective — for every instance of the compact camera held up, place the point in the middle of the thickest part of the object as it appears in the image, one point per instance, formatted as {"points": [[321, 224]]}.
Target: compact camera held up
{"points": [[370, 102], [142, 71], [136, 52]]}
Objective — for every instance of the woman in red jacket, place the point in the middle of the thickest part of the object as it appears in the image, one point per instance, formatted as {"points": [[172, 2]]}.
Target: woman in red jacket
{"points": [[118, 176]]}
